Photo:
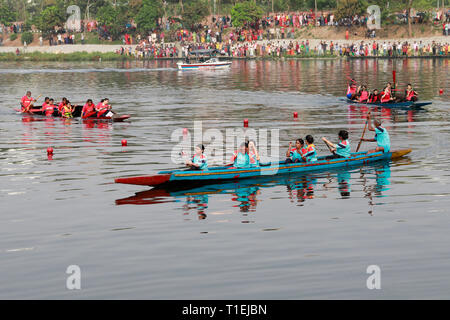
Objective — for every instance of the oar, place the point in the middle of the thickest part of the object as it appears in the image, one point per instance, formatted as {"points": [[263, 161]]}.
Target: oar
{"points": [[364, 131], [29, 106]]}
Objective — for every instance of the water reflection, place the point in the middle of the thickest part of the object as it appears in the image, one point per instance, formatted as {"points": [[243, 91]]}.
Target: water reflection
{"points": [[245, 194]]}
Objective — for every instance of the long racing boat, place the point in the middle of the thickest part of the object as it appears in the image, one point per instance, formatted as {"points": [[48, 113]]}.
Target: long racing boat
{"points": [[76, 114], [217, 174], [404, 104]]}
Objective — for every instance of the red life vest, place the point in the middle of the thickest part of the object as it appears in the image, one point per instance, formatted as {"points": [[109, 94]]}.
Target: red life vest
{"points": [[364, 96], [410, 95]]}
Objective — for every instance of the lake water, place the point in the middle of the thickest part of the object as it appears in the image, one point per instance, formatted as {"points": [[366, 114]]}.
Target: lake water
{"points": [[295, 237]]}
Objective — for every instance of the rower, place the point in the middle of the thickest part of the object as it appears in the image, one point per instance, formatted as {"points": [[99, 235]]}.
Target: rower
{"points": [[199, 160], [46, 100], [62, 104], [103, 107], [253, 154], [240, 158], [88, 109], [381, 136], [351, 89], [341, 149], [294, 155], [374, 96], [26, 102], [386, 95], [311, 154], [67, 110], [48, 108], [364, 94], [410, 94]]}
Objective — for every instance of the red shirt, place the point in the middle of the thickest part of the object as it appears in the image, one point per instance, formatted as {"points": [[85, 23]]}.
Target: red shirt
{"points": [[60, 106], [26, 101], [48, 109], [87, 109]]}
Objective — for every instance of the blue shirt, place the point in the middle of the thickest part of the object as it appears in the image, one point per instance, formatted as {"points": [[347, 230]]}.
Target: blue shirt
{"points": [[311, 154], [382, 137]]}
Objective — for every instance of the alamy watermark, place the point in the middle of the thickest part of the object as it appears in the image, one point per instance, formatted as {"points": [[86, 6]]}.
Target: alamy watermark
{"points": [[374, 280], [73, 281]]}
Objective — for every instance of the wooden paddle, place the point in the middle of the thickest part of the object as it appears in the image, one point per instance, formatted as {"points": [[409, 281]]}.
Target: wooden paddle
{"points": [[29, 106], [364, 131]]}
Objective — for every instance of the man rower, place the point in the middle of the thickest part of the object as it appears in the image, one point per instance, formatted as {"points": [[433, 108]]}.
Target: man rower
{"points": [[88, 109], [26, 102], [48, 108], [341, 149], [410, 94], [381, 136], [311, 154]]}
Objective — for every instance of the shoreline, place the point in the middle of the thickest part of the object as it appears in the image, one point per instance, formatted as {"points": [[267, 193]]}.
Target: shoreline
{"points": [[112, 56]]}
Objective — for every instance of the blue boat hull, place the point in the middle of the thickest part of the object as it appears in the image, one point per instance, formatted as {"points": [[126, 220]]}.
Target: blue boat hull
{"points": [[406, 104], [279, 168]]}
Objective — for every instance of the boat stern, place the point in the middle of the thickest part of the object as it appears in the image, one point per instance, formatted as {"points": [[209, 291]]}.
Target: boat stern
{"points": [[399, 153], [145, 180]]}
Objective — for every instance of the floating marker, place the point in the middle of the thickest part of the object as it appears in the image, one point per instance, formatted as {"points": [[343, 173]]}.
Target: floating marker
{"points": [[124, 143], [441, 91], [49, 151], [245, 123], [295, 114], [185, 131]]}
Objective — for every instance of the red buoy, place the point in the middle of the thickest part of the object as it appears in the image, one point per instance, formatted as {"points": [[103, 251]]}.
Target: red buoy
{"points": [[49, 151], [185, 131], [245, 123], [295, 114], [441, 91], [124, 143]]}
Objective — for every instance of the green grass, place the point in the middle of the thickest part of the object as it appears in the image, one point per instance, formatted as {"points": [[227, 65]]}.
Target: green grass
{"points": [[76, 56]]}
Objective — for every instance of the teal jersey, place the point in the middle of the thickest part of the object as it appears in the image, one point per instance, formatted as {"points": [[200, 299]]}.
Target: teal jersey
{"points": [[241, 160], [343, 149], [201, 161], [382, 137], [311, 154]]}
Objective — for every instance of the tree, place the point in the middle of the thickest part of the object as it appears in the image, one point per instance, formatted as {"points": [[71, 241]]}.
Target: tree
{"points": [[349, 8], [194, 13], [245, 12], [148, 15], [113, 18], [7, 13], [48, 19]]}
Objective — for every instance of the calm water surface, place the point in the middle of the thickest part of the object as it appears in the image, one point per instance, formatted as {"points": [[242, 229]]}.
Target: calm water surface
{"points": [[294, 237]]}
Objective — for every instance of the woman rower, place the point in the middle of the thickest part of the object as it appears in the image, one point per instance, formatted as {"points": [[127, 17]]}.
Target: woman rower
{"points": [[340, 150], [351, 89], [253, 154], [381, 136], [88, 109], [103, 107], [67, 110], [199, 160], [386, 95], [62, 104], [240, 158], [311, 154], [363, 95], [294, 155], [374, 96], [410, 94]]}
